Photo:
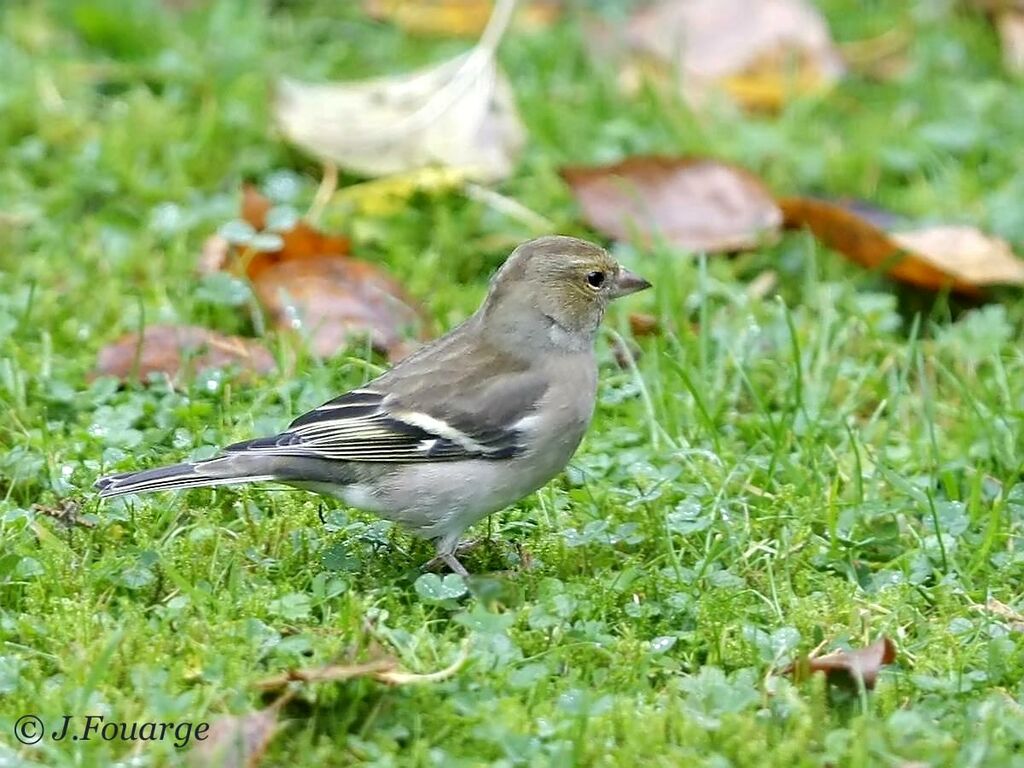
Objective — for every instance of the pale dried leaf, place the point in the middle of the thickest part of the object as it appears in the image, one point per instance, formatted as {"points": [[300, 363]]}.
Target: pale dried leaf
{"points": [[383, 670], [398, 677], [759, 52], [966, 253], [333, 673], [459, 114], [695, 204], [214, 256], [179, 350], [1014, 619], [763, 284], [1010, 24]]}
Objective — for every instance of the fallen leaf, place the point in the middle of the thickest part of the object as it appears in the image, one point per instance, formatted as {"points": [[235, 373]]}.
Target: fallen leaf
{"points": [[696, 204], [641, 324], [1010, 24], [300, 242], [459, 114], [381, 197], [310, 285], [330, 301], [1008, 17], [178, 351], [67, 512], [1014, 619], [882, 57], [856, 666], [238, 741], [215, 255], [384, 670], [759, 53], [332, 673], [962, 258], [763, 284], [966, 253], [462, 18]]}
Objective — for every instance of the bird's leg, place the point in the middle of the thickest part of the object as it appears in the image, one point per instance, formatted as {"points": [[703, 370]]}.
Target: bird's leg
{"points": [[467, 546], [454, 565], [447, 548]]}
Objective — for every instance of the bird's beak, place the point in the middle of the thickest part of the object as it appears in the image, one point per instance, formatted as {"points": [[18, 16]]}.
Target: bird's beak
{"points": [[627, 283]]}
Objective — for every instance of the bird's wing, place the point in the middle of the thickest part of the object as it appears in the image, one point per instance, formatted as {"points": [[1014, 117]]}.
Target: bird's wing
{"points": [[446, 421]]}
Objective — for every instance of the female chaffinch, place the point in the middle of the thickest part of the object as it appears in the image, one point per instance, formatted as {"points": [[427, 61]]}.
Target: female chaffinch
{"points": [[465, 426]]}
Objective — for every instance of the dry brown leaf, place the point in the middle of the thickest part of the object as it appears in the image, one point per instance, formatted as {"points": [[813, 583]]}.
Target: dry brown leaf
{"points": [[696, 204], [331, 301], [760, 53], [641, 324], [460, 18], [962, 258], [459, 114], [310, 285], [67, 512], [238, 741], [178, 351], [856, 666]]}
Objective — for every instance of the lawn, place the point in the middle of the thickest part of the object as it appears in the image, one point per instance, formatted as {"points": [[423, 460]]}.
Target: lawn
{"points": [[833, 461]]}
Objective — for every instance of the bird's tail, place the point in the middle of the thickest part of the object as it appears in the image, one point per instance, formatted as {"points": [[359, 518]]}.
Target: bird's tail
{"points": [[223, 470]]}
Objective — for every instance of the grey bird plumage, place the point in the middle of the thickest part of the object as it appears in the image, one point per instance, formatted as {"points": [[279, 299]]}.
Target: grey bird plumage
{"points": [[465, 426]]}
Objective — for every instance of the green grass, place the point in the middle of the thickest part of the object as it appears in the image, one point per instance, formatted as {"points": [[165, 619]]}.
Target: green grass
{"points": [[833, 463]]}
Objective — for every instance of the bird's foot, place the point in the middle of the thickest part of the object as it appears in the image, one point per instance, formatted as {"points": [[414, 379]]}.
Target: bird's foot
{"points": [[447, 559], [467, 546]]}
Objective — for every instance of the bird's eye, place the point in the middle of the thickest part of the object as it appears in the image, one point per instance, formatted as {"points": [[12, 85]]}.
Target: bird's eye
{"points": [[595, 279]]}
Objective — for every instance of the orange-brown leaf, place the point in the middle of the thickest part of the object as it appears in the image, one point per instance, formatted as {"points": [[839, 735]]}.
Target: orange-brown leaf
{"points": [[179, 351], [934, 257], [694, 203], [641, 324], [300, 242]]}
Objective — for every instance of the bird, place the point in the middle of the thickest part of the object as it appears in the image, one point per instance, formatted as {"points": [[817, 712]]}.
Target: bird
{"points": [[464, 426]]}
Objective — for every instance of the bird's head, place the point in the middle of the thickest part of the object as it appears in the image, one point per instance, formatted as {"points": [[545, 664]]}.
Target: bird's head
{"points": [[554, 291]]}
